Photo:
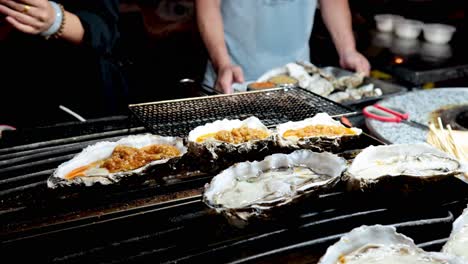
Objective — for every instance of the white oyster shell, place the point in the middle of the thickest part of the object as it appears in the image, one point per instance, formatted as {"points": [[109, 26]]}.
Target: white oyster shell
{"points": [[383, 245], [102, 150], [228, 153], [251, 188], [323, 143], [418, 161], [458, 240]]}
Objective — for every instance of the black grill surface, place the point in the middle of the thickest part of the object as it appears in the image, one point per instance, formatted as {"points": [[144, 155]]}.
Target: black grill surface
{"points": [[177, 118], [163, 220]]}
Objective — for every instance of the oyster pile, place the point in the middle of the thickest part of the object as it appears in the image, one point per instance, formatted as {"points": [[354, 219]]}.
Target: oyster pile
{"points": [[319, 81], [254, 188], [458, 241], [409, 162], [109, 162], [383, 245], [319, 133]]}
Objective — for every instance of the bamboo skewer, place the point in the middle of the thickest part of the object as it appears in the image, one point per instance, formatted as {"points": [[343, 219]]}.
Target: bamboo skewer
{"points": [[445, 140]]}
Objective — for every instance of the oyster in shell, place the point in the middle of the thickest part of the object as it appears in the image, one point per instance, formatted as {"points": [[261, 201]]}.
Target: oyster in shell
{"points": [[319, 133], [108, 162], [458, 241], [382, 245], [411, 163], [254, 188], [229, 141]]}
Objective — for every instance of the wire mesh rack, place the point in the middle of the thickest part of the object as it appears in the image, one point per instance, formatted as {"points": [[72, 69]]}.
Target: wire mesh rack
{"points": [[179, 117]]}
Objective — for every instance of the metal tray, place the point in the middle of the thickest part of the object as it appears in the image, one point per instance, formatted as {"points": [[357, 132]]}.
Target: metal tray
{"points": [[388, 89], [273, 106]]}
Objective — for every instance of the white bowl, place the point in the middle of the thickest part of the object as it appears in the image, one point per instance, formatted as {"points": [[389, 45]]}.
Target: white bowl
{"points": [[386, 22], [438, 33], [408, 29]]}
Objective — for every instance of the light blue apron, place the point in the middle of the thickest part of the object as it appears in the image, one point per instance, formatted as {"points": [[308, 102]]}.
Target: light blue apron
{"points": [[264, 34]]}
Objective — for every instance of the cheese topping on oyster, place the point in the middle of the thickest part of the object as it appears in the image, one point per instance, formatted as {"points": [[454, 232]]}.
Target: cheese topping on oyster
{"points": [[126, 158], [236, 135], [108, 162], [319, 130], [321, 125]]}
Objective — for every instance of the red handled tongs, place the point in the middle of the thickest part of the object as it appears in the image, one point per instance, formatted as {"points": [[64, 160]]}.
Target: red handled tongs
{"points": [[386, 114]]}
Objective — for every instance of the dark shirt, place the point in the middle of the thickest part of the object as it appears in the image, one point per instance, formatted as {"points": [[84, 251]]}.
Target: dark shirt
{"points": [[38, 75]]}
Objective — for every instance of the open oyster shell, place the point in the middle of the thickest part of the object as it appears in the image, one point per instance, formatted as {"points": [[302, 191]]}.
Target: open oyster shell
{"points": [[224, 154], [103, 150], [458, 241], [316, 143], [409, 163], [255, 188], [383, 245]]}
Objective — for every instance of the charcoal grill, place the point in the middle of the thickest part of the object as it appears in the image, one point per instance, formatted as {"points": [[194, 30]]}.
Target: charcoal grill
{"points": [[164, 220]]}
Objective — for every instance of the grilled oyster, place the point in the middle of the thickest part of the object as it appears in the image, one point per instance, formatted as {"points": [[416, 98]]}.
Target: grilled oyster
{"points": [[225, 142], [319, 133], [458, 241], [383, 245], [108, 162], [411, 163], [255, 188]]}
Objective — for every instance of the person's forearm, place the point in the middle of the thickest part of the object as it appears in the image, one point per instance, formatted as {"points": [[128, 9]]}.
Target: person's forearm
{"points": [[337, 17], [73, 30], [210, 24]]}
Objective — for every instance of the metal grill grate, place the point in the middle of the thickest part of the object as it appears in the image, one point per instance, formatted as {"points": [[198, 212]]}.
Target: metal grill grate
{"points": [[273, 107]]}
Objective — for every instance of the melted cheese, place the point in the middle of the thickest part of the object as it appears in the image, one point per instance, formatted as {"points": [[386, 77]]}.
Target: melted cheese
{"points": [[125, 158], [319, 130], [236, 135]]}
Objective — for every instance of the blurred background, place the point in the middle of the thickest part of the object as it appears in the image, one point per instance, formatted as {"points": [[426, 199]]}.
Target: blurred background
{"points": [[160, 46]]}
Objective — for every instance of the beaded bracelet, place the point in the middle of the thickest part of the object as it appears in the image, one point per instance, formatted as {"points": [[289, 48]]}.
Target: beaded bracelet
{"points": [[55, 30], [59, 32]]}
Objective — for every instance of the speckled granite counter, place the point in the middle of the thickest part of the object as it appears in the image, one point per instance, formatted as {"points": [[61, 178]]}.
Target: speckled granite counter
{"points": [[419, 105]]}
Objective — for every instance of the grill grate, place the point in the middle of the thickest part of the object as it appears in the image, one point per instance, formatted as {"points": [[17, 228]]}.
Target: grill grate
{"points": [[178, 117]]}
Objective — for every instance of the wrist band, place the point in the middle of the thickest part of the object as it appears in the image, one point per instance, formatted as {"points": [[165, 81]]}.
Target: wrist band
{"points": [[55, 27]]}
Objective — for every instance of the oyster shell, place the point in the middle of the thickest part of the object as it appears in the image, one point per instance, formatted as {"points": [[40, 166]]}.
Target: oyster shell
{"points": [[349, 81], [254, 188], [383, 245], [458, 241], [317, 143], [224, 153], [412, 163], [102, 150]]}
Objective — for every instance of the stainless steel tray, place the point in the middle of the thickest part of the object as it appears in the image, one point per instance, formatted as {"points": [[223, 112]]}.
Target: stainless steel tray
{"points": [[388, 89]]}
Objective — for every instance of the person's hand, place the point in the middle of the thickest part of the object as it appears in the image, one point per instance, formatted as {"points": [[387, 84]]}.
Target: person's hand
{"points": [[28, 16], [354, 60], [227, 75]]}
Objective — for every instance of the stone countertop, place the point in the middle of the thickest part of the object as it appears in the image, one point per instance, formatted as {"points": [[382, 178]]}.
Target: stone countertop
{"points": [[419, 105]]}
